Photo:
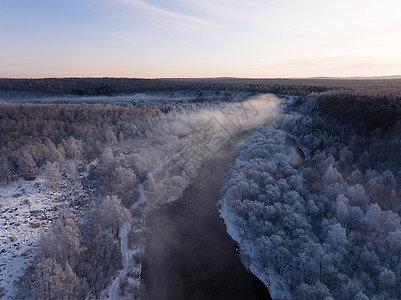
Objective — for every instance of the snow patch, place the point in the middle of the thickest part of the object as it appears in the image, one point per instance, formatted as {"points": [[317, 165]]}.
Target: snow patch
{"points": [[26, 207]]}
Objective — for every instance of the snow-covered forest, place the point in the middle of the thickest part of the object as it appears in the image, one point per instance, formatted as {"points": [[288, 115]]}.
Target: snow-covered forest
{"points": [[329, 227], [312, 199], [114, 163]]}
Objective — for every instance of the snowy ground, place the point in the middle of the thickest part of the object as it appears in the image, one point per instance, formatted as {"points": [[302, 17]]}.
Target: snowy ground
{"points": [[26, 207]]}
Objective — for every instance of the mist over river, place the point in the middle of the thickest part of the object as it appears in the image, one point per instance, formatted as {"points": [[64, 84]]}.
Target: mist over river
{"points": [[189, 254]]}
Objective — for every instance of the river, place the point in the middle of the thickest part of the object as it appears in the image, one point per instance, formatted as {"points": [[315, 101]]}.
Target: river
{"points": [[189, 255]]}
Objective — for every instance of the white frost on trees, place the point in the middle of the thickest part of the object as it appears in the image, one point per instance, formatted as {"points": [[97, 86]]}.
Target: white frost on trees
{"points": [[316, 232], [113, 214]]}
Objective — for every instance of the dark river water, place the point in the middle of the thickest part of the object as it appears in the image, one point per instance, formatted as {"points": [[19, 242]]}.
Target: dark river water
{"points": [[189, 254]]}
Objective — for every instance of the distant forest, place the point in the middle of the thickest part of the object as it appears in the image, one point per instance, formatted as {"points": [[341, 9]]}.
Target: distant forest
{"points": [[118, 86]]}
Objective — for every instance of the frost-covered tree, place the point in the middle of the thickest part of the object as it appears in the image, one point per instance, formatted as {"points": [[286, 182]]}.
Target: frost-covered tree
{"points": [[26, 166], [101, 257], [316, 291], [72, 285], [73, 148], [5, 170], [61, 242], [329, 230], [51, 281], [113, 214]]}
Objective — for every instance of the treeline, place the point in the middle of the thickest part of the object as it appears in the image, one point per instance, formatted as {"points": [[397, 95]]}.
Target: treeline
{"points": [[80, 86], [367, 113], [98, 86], [18, 88]]}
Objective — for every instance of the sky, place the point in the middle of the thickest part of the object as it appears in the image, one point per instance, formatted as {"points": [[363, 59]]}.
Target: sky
{"points": [[199, 38]]}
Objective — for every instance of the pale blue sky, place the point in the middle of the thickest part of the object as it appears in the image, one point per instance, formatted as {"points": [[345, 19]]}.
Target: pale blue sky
{"points": [[199, 38]]}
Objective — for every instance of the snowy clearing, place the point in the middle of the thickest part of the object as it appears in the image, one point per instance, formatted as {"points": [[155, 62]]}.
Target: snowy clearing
{"points": [[26, 207]]}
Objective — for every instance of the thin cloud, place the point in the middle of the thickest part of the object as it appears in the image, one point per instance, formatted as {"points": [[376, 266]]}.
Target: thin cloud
{"points": [[172, 19], [233, 10]]}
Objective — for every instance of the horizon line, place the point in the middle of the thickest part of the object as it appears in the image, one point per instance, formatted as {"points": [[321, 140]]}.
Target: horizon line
{"points": [[207, 78]]}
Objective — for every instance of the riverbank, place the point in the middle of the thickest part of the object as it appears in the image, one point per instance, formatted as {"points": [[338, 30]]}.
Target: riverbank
{"points": [[269, 158]]}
